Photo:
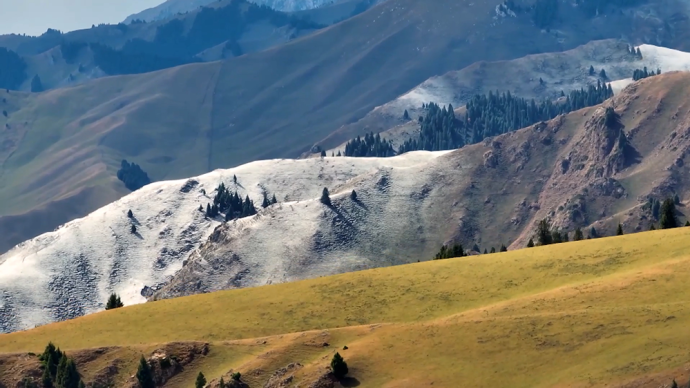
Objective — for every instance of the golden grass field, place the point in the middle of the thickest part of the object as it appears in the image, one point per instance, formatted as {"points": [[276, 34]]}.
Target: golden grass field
{"points": [[592, 313]]}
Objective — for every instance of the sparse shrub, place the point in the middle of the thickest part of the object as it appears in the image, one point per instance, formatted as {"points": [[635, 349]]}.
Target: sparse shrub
{"points": [[339, 366]]}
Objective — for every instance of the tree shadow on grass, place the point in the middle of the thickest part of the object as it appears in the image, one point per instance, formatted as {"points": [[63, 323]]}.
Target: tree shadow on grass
{"points": [[349, 382]]}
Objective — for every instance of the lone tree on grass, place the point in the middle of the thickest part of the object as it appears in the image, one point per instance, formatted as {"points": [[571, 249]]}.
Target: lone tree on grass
{"points": [[530, 243], [503, 248], [200, 381], [544, 236], [144, 374], [114, 302], [668, 215], [619, 231], [339, 366], [326, 197]]}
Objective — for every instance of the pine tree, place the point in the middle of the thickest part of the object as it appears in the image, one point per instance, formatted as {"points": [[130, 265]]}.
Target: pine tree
{"points": [[353, 195], [144, 374], [687, 223], [530, 243], [674, 384], [619, 230], [544, 236], [652, 227], [591, 70], [668, 218], [325, 197], [565, 237], [236, 376], [406, 115], [339, 366], [485, 251], [221, 383], [556, 237], [46, 379], [133, 229], [234, 179], [602, 74], [114, 302], [130, 214], [67, 375], [208, 210], [503, 248], [200, 381], [265, 202], [274, 200], [578, 235], [201, 208], [323, 154], [593, 233], [493, 250]]}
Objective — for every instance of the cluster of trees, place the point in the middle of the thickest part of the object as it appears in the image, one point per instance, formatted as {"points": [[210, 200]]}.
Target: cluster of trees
{"points": [[114, 302], [59, 371], [132, 175], [641, 74], [370, 146], [231, 204], [495, 114], [664, 212], [449, 252], [12, 69]]}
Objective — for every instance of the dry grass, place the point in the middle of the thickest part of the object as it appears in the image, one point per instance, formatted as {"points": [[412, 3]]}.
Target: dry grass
{"points": [[580, 314]]}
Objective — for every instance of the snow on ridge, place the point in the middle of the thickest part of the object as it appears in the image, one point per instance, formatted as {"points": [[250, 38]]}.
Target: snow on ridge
{"points": [[71, 271]]}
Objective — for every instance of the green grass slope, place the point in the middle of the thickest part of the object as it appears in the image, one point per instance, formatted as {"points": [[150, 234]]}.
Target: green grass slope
{"points": [[591, 313]]}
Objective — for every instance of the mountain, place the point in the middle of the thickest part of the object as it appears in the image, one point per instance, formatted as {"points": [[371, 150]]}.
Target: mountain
{"points": [[540, 76], [271, 104], [171, 8], [585, 313], [592, 168]]}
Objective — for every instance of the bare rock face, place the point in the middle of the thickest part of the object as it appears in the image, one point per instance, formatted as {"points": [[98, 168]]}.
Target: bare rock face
{"points": [[283, 377]]}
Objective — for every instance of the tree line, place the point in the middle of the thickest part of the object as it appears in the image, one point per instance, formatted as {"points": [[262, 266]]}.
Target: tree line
{"points": [[643, 73]]}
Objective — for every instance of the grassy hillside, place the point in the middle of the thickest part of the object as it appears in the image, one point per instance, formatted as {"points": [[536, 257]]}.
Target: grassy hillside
{"points": [[588, 313]]}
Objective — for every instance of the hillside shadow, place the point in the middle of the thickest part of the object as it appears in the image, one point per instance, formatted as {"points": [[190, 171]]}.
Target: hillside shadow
{"points": [[349, 382]]}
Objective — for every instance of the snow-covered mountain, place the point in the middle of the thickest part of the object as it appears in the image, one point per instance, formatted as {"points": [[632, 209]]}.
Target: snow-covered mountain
{"points": [[173, 7], [536, 76], [72, 270]]}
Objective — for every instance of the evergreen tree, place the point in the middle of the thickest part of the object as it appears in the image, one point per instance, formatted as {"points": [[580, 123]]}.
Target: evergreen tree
{"points": [[369, 146], [339, 366], [619, 230], [236, 376], [556, 237], [674, 384], [274, 200], [325, 197], [265, 202], [593, 233], [323, 155], [544, 236], [221, 383], [504, 248], [476, 248], [114, 302], [129, 213], [668, 215], [234, 179], [46, 379], [602, 74], [447, 252], [353, 195], [591, 70], [67, 375], [687, 223], [651, 227], [208, 210], [406, 115], [485, 251], [201, 208], [656, 208], [578, 235], [200, 381], [493, 250], [133, 229], [144, 375], [565, 237], [530, 243], [36, 84]]}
